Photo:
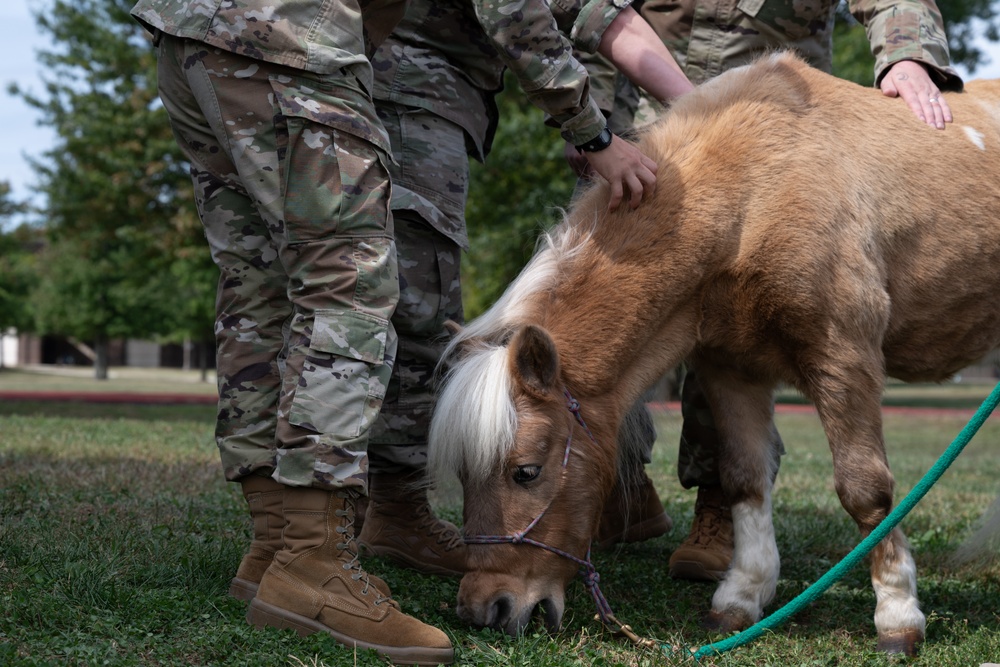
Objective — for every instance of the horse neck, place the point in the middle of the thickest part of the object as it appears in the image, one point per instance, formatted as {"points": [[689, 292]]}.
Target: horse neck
{"points": [[620, 326]]}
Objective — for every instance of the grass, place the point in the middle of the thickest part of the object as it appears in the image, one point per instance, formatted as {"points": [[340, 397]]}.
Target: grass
{"points": [[118, 537]]}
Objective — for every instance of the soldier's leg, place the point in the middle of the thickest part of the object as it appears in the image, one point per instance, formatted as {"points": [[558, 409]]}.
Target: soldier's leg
{"points": [[399, 522], [430, 180], [323, 194], [313, 249], [707, 551], [634, 512], [251, 313]]}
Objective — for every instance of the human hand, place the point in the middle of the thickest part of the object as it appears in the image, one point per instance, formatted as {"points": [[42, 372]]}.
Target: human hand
{"points": [[623, 165], [909, 80]]}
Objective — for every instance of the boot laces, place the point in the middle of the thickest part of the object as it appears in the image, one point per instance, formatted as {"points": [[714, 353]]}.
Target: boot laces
{"points": [[437, 528], [706, 528], [708, 524], [350, 545]]}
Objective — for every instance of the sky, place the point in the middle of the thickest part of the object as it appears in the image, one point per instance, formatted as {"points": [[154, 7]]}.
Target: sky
{"points": [[20, 134]]}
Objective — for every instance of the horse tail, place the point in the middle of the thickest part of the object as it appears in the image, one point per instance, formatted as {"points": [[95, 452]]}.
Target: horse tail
{"points": [[984, 544]]}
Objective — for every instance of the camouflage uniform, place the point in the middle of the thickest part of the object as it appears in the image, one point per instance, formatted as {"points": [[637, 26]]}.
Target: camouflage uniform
{"points": [[434, 83], [708, 37], [269, 101], [436, 77]]}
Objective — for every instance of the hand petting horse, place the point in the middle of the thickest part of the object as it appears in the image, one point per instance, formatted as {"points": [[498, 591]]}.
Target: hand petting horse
{"points": [[804, 230]]}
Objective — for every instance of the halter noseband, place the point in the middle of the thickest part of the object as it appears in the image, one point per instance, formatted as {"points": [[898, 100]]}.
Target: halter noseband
{"points": [[591, 578]]}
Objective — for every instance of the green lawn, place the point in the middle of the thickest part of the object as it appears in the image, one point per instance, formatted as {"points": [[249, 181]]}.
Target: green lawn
{"points": [[118, 538]]}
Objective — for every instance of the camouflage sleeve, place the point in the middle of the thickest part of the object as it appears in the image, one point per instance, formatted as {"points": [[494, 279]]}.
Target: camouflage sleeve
{"points": [[907, 30], [528, 38], [603, 76], [586, 20]]}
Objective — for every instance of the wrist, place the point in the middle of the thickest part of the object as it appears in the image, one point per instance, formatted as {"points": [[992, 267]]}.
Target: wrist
{"points": [[598, 143]]}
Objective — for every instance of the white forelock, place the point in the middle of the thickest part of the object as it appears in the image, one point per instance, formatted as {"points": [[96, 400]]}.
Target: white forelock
{"points": [[474, 421]]}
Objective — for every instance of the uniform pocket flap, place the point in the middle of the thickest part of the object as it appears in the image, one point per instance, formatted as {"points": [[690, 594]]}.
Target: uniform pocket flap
{"points": [[343, 108], [350, 333]]}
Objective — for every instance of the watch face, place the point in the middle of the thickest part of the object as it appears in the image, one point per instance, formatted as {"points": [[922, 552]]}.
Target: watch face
{"points": [[598, 143]]}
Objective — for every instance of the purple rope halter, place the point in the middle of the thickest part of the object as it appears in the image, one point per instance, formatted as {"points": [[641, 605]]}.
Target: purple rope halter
{"points": [[591, 578]]}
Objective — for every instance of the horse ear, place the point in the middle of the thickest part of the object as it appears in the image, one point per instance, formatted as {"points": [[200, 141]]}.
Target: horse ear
{"points": [[535, 359]]}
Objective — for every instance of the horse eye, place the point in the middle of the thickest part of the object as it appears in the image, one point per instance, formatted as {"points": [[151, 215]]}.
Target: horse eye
{"points": [[525, 474]]}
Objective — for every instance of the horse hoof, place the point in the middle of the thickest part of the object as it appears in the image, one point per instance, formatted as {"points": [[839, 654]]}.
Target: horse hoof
{"points": [[730, 621], [904, 642]]}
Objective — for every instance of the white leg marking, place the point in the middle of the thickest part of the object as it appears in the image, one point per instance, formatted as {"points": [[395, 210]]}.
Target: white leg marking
{"points": [[896, 606], [753, 576]]}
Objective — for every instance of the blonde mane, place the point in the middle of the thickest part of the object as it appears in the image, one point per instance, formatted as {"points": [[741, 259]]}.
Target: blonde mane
{"points": [[474, 368]]}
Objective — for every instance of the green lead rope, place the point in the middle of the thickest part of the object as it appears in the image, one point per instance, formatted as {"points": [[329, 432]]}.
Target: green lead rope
{"points": [[850, 560]]}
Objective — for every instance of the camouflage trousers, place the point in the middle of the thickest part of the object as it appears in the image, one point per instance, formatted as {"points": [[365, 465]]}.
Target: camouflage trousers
{"points": [[700, 444], [290, 178], [430, 182]]}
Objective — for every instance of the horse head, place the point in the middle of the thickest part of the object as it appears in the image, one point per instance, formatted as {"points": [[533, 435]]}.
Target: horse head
{"points": [[530, 503]]}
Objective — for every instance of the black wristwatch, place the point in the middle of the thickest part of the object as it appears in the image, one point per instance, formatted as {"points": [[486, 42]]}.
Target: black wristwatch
{"points": [[598, 143]]}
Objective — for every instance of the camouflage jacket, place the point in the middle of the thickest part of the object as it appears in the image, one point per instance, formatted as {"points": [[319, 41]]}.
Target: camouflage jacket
{"points": [[439, 58], [449, 57], [709, 37], [326, 35], [319, 36]]}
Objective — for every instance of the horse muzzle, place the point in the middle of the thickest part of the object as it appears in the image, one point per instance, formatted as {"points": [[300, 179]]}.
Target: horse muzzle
{"points": [[503, 602]]}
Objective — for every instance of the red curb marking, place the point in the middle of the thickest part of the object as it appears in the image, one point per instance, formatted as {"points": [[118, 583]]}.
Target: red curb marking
{"points": [[799, 408], [110, 397], [208, 399]]}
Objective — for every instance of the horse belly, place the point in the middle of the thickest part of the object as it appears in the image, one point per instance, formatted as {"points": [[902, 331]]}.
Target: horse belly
{"points": [[936, 347]]}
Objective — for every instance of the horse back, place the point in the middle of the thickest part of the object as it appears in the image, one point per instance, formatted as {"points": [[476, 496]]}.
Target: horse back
{"points": [[837, 218]]}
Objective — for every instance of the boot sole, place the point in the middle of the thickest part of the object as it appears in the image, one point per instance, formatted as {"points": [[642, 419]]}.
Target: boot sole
{"points": [[261, 614], [242, 589]]}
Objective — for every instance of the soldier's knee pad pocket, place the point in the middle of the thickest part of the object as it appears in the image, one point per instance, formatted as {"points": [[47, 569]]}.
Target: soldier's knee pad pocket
{"points": [[344, 376]]}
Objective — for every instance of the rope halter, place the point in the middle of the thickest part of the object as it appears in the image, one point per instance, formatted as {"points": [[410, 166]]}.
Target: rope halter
{"points": [[591, 579]]}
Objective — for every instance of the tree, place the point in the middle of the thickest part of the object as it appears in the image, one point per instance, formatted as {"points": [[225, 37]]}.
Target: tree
{"points": [[513, 198], [119, 209], [17, 266]]}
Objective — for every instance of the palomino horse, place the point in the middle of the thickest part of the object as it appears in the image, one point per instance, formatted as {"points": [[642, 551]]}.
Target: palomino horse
{"points": [[804, 230]]}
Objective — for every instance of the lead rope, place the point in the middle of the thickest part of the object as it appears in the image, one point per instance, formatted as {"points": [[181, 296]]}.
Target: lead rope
{"points": [[837, 572], [591, 578]]}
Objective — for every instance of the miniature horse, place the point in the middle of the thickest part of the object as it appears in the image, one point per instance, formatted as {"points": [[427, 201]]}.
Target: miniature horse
{"points": [[804, 230]]}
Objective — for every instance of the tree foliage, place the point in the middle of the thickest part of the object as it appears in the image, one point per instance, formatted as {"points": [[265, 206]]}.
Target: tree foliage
{"points": [[18, 247], [120, 215], [514, 197]]}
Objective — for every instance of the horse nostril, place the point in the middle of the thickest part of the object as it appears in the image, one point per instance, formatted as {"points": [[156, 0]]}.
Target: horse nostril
{"points": [[499, 613], [551, 614]]}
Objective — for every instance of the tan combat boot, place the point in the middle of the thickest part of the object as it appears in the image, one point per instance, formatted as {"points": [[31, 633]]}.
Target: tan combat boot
{"points": [[400, 525], [706, 553], [633, 513], [263, 496], [316, 584]]}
